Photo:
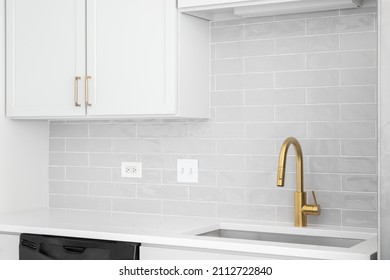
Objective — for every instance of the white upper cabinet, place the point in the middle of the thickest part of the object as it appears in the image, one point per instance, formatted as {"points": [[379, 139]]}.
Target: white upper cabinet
{"points": [[105, 58], [131, 56], [45, 48]]}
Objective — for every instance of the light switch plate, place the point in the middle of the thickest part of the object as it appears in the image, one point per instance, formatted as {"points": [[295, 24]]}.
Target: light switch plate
{"points": [[131, 169], [187, 171]]}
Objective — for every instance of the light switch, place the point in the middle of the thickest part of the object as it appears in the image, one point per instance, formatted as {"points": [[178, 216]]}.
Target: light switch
{"points": [[187, 170]]}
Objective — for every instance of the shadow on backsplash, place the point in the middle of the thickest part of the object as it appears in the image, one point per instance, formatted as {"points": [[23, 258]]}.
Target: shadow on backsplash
{"points": [[310, 76]]}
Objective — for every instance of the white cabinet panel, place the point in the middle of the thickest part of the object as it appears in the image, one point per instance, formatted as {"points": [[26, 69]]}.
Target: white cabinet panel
{"points": [[157, 252], [9, 247], [131, 57], [45, 51]]}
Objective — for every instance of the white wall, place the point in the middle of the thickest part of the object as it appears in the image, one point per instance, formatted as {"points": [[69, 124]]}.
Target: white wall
{"points": [[23, 152], [384, 120]]}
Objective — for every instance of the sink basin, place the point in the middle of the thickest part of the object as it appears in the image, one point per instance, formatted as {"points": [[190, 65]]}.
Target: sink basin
{"points": [[284, 238]]}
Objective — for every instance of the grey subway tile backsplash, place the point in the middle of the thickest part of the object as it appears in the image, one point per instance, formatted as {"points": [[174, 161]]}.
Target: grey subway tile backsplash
{"points": [[312, 76]]}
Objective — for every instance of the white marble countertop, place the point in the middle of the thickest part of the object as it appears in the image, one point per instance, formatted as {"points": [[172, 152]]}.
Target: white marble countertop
{"points": [[180, 232]]}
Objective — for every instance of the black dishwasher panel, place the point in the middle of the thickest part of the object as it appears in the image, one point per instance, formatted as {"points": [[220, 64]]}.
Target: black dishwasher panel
{"points": [[46, 247]]}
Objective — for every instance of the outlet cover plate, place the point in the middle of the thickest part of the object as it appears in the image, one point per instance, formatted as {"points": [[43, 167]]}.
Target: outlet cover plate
{"points": [[187, 170], [131, 169]]}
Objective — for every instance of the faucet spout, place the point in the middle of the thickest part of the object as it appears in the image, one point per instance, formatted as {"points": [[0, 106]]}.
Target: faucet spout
{"points": [[282, 163]]}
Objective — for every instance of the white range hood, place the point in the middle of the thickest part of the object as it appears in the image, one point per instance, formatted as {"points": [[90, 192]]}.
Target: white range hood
{"points": [[229, 9]]}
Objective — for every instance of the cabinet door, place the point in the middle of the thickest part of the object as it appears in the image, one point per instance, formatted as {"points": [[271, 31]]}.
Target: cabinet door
{"points": [[131, 57], [45, 52]]}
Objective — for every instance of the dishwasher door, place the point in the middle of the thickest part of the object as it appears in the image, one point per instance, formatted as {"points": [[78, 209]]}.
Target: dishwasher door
{"points": [[46, 247]]}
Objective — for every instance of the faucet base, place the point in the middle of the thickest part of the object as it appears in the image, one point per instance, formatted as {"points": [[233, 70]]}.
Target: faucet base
{"points": [[300, 220]]}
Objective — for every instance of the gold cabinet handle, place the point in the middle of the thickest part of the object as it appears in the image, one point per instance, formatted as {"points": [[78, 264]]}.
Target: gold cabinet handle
{"points": [[87, 91], [76, 91]]}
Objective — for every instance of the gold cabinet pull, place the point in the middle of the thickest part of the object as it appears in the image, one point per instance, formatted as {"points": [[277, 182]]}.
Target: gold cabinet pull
{"points": [[76, 91], [86, 91]]}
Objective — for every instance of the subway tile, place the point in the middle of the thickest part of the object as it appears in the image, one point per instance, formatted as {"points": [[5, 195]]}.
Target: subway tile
{"points": [[245, 114], [202, 146], [359, 165], [361, 219], [276, 130], [246, 212], [162, 131], [109, 159], [149, 176], [112, 189], [309, 44], [185, 208], [339, 95], [244, 49], [274, 30], [307, 78], [217, 194], [359, 147], [275, 63], [345, 24], [57, 201], [360, 183], [359, 41], [261, 163], [245, 81], [174, 146], [330, 182], [88, 145], [261, 196], [227, 98], [227, 66], [69, 188], [68, 130], [112, 130], [220, 162], [88, 174], [275, 96], [307, 113], [216, 130], [350, 59], [68, 159], [341, 130], [88, 203], [205, 177], [225, 34], [162, 192], [360, 201], [358, 112], [146, 206], [136, 145], [363, 76], [57, 145], [56, 173], [247, 179], [246, 146]]}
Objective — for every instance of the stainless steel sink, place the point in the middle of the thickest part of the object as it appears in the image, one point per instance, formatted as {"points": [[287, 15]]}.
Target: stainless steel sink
{"points": [[284, 238]]}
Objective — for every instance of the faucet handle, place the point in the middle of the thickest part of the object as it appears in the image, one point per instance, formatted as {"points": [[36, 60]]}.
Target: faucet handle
{"points": [[314, 210], [314, 197]]}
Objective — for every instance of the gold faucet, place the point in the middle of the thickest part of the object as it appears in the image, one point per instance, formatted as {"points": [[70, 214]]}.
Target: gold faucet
{"points": [[301, 209]]}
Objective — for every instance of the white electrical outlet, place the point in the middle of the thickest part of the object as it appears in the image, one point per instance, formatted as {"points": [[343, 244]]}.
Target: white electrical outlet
{"points": [[187, 170], [131, 169]]}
